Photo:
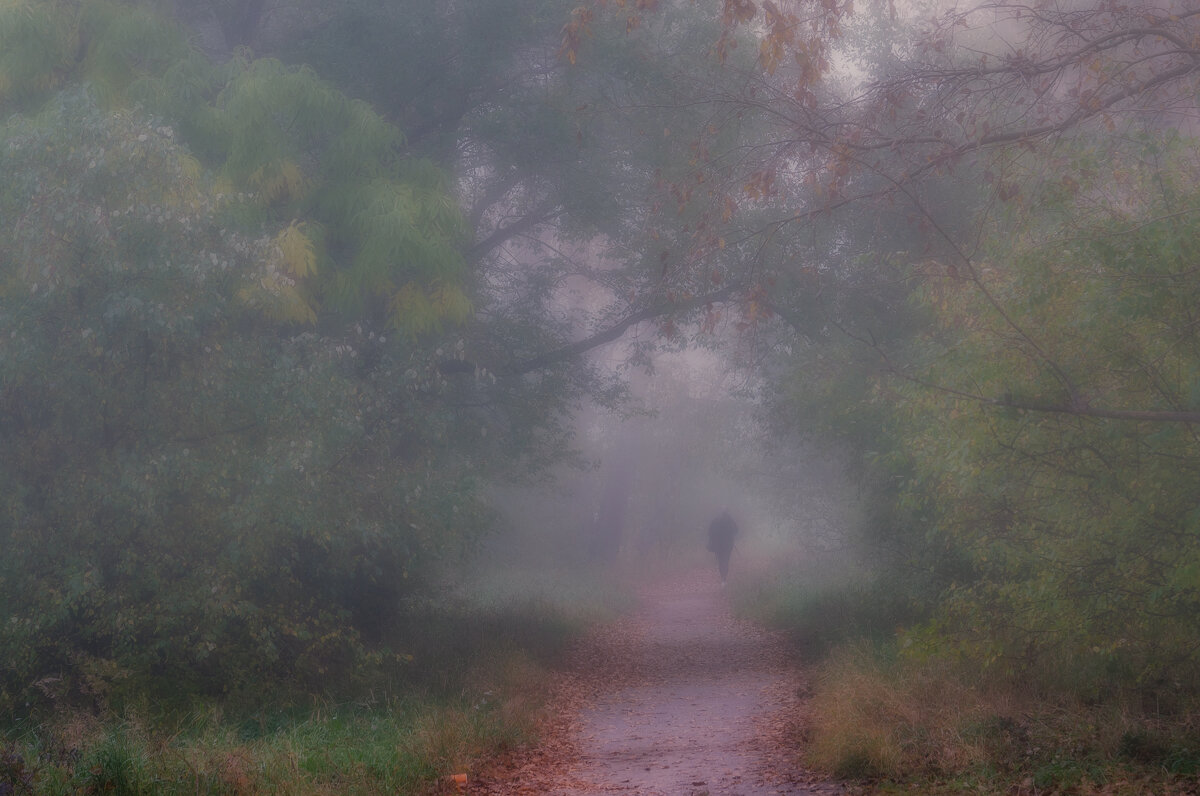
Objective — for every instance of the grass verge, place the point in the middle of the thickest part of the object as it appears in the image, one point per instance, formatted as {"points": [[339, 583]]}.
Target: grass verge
{"points": [[939, 727], [479, 660], [890, 723], [393, 747]]}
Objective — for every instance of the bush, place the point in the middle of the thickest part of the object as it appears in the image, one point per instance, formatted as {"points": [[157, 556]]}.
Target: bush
{"points": [[195, 496], [819, 613], [941, 727]]}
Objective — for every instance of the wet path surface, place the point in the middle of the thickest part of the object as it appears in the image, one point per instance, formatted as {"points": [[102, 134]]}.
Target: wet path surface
{"points": [[679, 698]]}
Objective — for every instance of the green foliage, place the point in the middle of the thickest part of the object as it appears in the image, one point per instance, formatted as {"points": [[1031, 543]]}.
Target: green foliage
{"points": [[820, 617], [193, 497], [434, 69], [547, 152], [289, 144], [1080, 530], [390, 227], [401, 746], [1019, 487], [1036, 534], [31, 47], [471, 691]]}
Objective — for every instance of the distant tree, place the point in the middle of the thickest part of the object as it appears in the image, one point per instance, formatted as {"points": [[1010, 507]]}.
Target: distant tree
{"points": [[609, 531]]}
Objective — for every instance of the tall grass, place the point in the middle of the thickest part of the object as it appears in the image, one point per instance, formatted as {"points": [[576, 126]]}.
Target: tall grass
{"points": [[894, 722], [950, 728]]}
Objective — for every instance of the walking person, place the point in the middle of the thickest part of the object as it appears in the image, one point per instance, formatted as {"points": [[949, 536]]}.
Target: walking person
{"points": [[721, 532]]}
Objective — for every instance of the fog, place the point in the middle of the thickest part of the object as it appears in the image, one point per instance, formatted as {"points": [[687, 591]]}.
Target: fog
{"points": [[691, 443], [379, 354]]}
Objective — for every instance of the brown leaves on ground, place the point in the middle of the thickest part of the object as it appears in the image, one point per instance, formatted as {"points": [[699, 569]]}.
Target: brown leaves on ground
{"points": [[678, 697], [603, 660]]}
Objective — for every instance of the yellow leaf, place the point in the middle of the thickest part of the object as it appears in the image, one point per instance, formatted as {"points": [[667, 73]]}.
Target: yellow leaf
{"points": [[299, 258], [451, 303], [190, 167], [411, 310], [281, 181]]}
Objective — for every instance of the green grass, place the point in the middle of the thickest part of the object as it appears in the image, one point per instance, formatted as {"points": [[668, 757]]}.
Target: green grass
{"points": [[395, 747], [479, 659]]}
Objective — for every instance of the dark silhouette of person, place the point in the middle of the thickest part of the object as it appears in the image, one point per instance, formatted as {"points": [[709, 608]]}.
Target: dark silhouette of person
{"points": [[721, 532]]}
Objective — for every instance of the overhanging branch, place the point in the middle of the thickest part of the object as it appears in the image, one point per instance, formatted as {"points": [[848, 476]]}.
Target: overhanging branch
{"points": [[617, 330], [608, 335], [1076, 406]]}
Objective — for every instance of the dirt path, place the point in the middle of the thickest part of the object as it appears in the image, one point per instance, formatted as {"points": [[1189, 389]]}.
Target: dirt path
{"points": [[678, 698]]}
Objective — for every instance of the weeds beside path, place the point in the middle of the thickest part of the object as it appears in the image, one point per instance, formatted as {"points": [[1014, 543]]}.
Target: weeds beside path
{"points": [[677, 698]]}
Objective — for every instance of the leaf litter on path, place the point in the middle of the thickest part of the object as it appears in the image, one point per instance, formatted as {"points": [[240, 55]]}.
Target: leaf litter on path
{"points": [[679, 697]]}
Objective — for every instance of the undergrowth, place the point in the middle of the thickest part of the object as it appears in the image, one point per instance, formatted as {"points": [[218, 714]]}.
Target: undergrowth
{"points": [[819, 608], [473, 682], [888, 722], [391, 747], [948, 728]]}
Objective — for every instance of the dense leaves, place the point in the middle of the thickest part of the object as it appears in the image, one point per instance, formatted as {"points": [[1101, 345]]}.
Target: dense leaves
{"points": [[384, 231], [190, 489], [1079, 519]]}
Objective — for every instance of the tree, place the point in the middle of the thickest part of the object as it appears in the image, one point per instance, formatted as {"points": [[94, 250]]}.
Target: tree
{"points": [[999, 354], [283, 443], [194, 493], [1041, 366], [377, 235], [977, 81], [1078, 523], [559, 169]]}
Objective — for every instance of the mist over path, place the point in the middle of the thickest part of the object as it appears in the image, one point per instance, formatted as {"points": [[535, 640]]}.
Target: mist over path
{"points": [[677, 698]]}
